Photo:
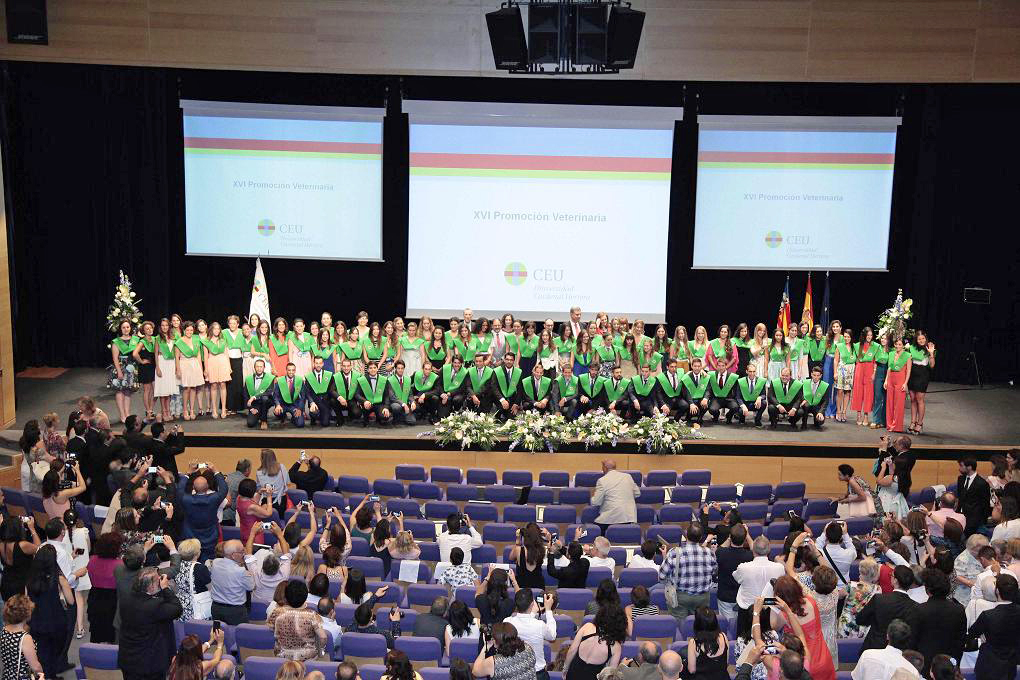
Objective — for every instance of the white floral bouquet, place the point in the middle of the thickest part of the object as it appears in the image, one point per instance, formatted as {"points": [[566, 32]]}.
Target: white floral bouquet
{"points": [[466, 428], [534, 431], [598, 428], [124, 305], [662, 434], [893, 321]]}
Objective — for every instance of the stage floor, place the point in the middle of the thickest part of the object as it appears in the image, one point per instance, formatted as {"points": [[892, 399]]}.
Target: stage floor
{"points": [[956, 415]]}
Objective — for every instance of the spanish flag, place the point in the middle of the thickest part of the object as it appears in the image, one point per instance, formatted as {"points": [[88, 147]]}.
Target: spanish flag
{"points": [[783, 321], [809, 312]]}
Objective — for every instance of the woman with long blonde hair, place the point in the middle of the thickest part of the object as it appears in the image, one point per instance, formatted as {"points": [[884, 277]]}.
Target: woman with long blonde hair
{"points": [[759, 348], [302, 565], [272, 474], [700, 344]]}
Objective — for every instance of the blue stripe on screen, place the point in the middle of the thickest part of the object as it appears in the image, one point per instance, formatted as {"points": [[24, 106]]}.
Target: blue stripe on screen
{"points": [[287, 129], [791, 140], [540, 141]]}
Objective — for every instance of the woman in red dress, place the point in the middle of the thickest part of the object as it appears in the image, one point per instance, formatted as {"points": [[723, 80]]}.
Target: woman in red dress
{"points": [[863, 395], [279, 345], [896, 385], [797, 605]]}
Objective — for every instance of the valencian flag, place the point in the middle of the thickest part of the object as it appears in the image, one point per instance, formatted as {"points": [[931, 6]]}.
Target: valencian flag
{"points": [[783, 321], [809, 309], [259, 293], [825, 305]]}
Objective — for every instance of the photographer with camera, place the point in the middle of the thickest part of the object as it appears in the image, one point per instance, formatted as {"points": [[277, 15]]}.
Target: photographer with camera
{"points": [[254, 505], [454, 537], [57, 492], [307, 474], [167, 444], [535, 624], [575, 573]]}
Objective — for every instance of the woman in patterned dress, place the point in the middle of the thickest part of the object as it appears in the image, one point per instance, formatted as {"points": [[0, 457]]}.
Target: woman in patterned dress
{"points": [[123, 373]]}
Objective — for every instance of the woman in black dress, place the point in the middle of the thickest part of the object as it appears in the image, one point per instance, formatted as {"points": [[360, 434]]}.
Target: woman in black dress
{"points": [[18, 543], [922, 359], [597, 644], [145, 356], [529, 555], [741, 341], [491, 597], [49, 625]]}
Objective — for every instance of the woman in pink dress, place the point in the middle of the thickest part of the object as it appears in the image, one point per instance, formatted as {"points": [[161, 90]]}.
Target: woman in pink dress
{"points": [[863, 395], [803, 607]]}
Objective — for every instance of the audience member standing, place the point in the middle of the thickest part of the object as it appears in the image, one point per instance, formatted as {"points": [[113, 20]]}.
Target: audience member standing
{"points": [[882, 663], [615, 496], [998, 655], [973, 495], [201, 494], [688, 571], [735, 551], [230, 585], [308, 475], [941, 621], [50, 626], [884, 608], [146, 642]]}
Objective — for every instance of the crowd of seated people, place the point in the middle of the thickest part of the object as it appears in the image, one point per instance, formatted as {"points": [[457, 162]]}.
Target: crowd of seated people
{"points": [[695, 585]]}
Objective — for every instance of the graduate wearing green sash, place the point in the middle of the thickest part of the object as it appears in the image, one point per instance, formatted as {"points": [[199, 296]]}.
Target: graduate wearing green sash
{"points": [[398, 395], [479, 397], [453, 380], [346, 407], [506, 387], [289, 397], [538, 392], [372, 396], [591, 393], [670, 393], [695, 384], [425, 393], [815, 397], [618, 395], [568, 390], [319, 392], [643, 386], [258, 389], [721, 385], [751, 395], [784, 398], [237, 345]]}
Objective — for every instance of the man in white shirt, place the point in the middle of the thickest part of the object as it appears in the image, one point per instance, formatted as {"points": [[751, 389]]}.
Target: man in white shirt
{"points": [[836, 549], [756, 575], [615, 496], [453, 538], [575, 322], [535, 625], [598, 553], [326, 608], [646, 558], [55, 536], [947, 510], [989, 559], [881, 664]]}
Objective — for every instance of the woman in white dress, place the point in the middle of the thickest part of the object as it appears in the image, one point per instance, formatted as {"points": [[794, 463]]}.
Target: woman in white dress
{"points": [[78, 538], [166, 386], [889, 492], [760, 348], [410, 343]]}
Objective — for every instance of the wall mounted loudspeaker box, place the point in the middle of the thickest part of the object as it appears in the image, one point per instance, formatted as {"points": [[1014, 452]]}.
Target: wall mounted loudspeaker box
{"points": [[506, 33], [26, 22], [977, 296]]}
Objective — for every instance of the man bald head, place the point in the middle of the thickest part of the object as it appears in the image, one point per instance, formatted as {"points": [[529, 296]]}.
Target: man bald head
{"points": [[234, 550], [649, 652], [608, 464], [670, 665]]}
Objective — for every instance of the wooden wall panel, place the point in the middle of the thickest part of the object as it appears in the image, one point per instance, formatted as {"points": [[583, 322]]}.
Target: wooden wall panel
{"points": [[7, 416], [755, 40]]}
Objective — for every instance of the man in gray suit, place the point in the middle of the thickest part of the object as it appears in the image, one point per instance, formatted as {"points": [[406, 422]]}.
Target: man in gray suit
{"points": [[615, 495], [645, 666]]}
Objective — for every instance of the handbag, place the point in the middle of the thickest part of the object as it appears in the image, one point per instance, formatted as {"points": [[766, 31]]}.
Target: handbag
{"points": [[39, 469], [201, 606]]}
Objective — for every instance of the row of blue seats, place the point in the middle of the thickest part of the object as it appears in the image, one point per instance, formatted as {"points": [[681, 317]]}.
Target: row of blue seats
{"points": [[439, 474]]}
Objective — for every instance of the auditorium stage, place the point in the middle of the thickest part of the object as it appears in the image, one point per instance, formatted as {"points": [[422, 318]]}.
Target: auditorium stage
{"points": [[958, 416]]}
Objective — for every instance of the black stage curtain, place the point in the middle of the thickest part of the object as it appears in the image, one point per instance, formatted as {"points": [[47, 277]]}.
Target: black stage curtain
{"points": [[94, 178]]}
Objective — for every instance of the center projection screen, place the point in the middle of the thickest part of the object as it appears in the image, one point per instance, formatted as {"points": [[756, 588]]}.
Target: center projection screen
{"points": [[535, 208]]}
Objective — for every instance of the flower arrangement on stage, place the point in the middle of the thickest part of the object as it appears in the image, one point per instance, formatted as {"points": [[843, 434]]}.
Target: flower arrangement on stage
{"points": [[466, 428], [598, 428], [533, 431], [662, 434], [894, 320], [124, 306]]}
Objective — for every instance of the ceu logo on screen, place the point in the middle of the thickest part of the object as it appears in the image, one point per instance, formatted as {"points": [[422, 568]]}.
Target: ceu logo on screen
{"points": [[773, 239], [515, 273], [266, 227]]}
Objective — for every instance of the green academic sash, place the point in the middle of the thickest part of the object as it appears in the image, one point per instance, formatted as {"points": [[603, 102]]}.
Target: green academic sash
{"points": [[567, 389], [696, 391], [866, 355], [652, 362], [586, 385], [322, 352], [467, 351], [366, 388], [597, 342], [126, 347], [450, 337], [279, 346], [453, 382], [718, 349], [683, 351], [320, 388], [670, 391], [612, 393], [346, 392], [777, 353], [373, 352], [785, 398], [607, 353], [741, 343], [727, 388], [410, 345], [189, 352], [642, 388], [166, 348], [529, 347], [584, 359], [350, 352], [796, 349], [423, 385], [512, 343], [918, 353], [257, 347], [814, 399], [258, 390], [846, 354], [482, 343], [507, 390], [816, 349], [478, 384], [215, 347], [698, 352], [403, 393], [746, 393], [299, 384], [235, 339], [304, 344], [436, 354], [149, 344], [898, 364], [543, 388], [881, 354], [563, 346], [547, 351]]}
